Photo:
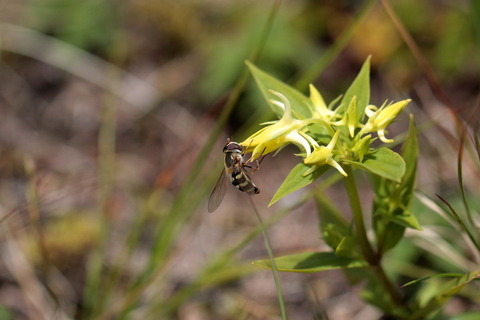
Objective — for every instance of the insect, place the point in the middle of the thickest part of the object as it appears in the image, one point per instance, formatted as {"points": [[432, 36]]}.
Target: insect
{"points": [[235, 168]]}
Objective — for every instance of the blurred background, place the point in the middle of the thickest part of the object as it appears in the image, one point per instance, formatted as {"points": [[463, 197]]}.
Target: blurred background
{"points": [[111, 141]]}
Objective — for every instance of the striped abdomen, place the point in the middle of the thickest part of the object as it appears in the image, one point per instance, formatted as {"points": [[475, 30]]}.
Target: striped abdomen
{"points": [[243, 182]]}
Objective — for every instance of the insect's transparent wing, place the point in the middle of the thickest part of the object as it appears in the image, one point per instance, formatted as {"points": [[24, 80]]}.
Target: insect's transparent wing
{"points": [[218, 193]]}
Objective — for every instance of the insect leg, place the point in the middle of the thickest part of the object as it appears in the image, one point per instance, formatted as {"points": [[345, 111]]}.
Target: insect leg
{"points": [[245, 165]]}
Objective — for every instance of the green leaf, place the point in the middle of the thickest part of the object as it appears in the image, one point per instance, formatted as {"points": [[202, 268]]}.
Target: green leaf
{"points": [[348, 248], [307, 262], [438, 275], [392, 200], [301, 106], [409, 153], [360, 88], [320, 132], [333, 225], [382, 162], [444, 294], [388, 232], [295, 180], [405, 219]]}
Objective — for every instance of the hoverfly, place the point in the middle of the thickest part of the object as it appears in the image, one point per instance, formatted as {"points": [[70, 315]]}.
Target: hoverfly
{"points": [[235, 169]]}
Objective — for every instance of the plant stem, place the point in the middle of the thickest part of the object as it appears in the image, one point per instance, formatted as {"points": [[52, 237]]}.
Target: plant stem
{"points": [[272, 260], [388, 285], [370, 256], [361, 232]]}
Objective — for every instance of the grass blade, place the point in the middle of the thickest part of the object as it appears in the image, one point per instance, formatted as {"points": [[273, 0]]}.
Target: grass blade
{"points": [[460, 177], [461, 223]]}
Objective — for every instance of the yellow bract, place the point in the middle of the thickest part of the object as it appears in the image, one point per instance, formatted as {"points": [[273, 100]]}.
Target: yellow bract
{"points": [[342, 124], [379, 119], [279, 133], [323, 155], [321, 110]]}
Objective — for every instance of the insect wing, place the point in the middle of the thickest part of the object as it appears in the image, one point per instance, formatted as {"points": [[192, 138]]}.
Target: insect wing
{"points": [[218, 193]]}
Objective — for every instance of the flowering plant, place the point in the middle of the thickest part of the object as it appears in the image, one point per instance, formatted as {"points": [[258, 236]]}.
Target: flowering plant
{"points": [[339, 135], [336, 135]]}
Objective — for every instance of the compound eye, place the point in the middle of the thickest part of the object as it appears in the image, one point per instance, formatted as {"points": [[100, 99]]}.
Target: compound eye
{"points": [[232, 146]]}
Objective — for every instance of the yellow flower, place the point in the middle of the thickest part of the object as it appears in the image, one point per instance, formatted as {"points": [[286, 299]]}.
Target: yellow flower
{"points": [[321, 110], [379, 119], [350, 118], [323, 155], [279, 133]]}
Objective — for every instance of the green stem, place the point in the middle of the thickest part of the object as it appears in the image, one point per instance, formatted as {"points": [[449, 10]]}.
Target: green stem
{"points": [[361, 232], [272, 260], [370, 256], [389, 286]]}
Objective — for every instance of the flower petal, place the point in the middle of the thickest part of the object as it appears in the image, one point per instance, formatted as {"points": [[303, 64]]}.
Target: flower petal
{"points": [[337, 166]]}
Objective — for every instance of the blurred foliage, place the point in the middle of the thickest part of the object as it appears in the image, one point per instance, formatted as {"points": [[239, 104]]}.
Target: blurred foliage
{"points": [[288, 47], [446, 34], [67, 240], [87, 24], [191, 53]]}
